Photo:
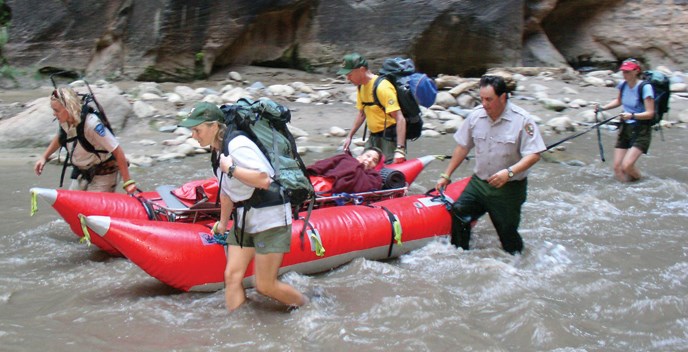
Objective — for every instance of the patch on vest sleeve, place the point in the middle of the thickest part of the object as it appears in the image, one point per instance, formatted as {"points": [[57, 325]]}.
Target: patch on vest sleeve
{"points": [[530, 129], [390, 102], [100, 129]]}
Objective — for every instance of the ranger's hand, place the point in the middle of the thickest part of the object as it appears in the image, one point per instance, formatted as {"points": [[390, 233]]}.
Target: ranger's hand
{"points": [[499, 179]]}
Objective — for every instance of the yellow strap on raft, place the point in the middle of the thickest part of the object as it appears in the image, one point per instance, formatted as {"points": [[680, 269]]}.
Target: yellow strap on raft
{"points": [[315, 238], [34, 203], [84, 228], [397, 230]]}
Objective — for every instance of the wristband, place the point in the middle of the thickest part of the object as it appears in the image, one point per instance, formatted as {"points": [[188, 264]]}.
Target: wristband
{"points": [[400, 151], [445, 176], [127, 184], [214, 230]]}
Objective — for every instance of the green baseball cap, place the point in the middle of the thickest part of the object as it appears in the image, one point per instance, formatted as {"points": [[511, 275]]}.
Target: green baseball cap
{"points": [[203, 112], [352, 62]]}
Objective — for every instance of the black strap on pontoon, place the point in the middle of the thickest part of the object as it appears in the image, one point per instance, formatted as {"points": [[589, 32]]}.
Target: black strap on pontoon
{"points": [[392, 220]]}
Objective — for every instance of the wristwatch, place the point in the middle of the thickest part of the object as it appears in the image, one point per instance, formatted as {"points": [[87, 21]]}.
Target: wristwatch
{"points": [[230, 171], [511, 172]]}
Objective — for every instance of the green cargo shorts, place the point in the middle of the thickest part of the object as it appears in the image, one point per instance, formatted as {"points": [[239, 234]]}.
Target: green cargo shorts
{"points": [[638, 136], [274, 240]]}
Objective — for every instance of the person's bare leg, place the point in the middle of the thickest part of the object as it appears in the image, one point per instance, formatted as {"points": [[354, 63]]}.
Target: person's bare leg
{"points": [[619, 155], [628, 164], [237, 261], [266, 269]]}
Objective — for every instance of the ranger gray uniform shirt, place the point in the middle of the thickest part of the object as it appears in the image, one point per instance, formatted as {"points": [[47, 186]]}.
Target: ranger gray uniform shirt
{"points": [[502, 143]]}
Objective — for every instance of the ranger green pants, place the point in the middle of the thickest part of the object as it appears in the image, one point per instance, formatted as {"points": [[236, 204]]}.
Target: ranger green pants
{"points": [[503, 204]]}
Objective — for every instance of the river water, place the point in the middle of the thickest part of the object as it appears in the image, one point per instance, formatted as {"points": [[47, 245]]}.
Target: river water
{"points": [[605, 269]]}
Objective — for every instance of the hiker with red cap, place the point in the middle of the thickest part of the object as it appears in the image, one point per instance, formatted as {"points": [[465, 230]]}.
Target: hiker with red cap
{"points": [[635, 133]]}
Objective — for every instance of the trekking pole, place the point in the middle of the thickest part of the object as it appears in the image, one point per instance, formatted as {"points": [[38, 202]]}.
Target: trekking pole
{"points": [[599, 136], [659, 127], [581, 133], [445, 157]]}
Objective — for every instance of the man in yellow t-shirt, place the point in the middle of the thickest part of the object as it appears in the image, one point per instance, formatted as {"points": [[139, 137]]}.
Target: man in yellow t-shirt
{"points": [[387, 125]]}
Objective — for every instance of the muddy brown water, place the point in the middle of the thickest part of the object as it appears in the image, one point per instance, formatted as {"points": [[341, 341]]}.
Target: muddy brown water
{"points": [[605, 269]]}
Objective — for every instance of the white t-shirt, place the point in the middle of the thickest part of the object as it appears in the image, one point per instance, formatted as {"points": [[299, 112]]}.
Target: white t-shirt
{"points": [[246, 154], [98, 135]]}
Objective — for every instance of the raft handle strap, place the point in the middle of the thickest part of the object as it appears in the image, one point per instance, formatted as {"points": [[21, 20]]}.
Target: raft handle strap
{"points": [[316, 240], [218, 238], [34, 203], [311, 203], [440, 197], [147, 206], [87, 236], [396, 230]]}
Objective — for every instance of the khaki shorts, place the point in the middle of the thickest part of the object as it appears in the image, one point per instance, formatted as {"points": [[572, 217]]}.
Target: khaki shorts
{"points": [[100, 183], [385, 145], [634, 136], [274, 240]]}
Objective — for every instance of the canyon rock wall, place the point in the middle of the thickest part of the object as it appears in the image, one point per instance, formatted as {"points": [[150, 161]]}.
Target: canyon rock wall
{"points": [[177, 40]]}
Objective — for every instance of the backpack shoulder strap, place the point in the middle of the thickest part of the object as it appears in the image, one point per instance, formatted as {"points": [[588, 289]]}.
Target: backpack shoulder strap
{"points": [[82, 137], [228, 137], [376, 100], [641, 87], [62, 137]]}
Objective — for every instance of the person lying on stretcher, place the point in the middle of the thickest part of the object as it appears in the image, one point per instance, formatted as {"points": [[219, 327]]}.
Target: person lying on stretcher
{"points": [[344, 173]]}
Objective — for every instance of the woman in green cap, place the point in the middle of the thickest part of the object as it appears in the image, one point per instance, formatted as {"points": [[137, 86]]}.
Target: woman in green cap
{"points": [[263, 234]]}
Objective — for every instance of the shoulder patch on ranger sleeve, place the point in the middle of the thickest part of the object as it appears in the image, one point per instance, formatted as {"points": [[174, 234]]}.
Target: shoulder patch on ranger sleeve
{"points": [[530, 129], [100, 129]]}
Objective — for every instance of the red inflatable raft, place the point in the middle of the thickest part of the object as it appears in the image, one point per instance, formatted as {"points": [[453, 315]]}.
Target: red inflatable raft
{"points": [[185, 256], [167, 232], [180, 204]]}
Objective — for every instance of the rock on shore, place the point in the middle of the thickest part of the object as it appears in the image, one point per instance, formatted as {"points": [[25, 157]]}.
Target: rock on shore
{"points": [[145, 114]]}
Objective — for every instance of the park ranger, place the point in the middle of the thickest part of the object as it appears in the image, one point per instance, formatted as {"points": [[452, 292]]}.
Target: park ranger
{"points": [[507, 143]]}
